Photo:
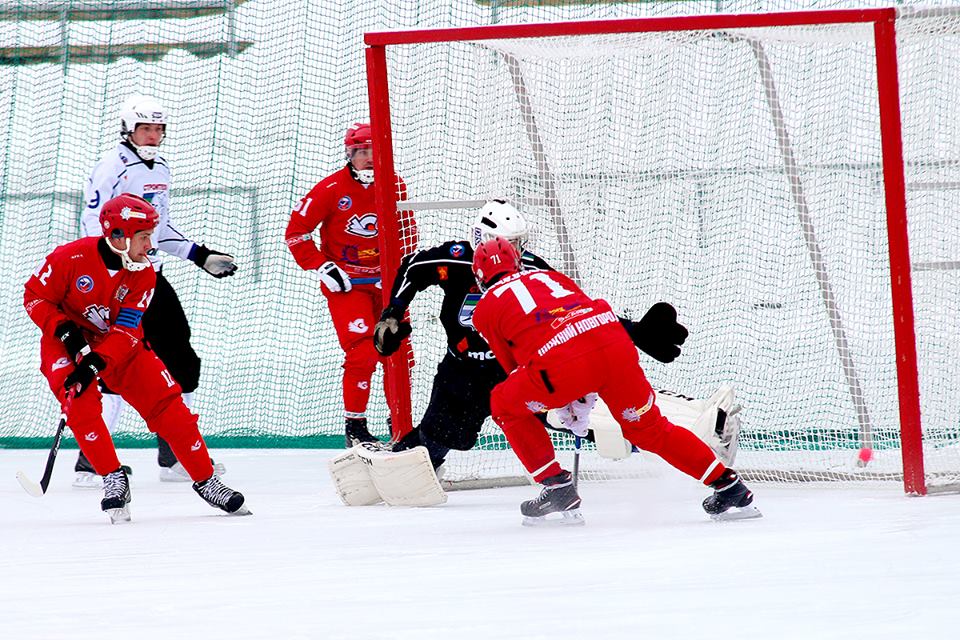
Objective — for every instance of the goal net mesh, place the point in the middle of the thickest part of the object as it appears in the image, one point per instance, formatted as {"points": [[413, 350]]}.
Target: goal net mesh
{"points": [[736, 174]]}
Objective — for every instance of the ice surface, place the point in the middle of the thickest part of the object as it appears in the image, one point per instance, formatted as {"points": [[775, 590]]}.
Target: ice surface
{"points": [[826, 561]]}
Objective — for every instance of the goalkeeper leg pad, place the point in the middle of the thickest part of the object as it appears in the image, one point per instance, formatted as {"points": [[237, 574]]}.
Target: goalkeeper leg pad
{"points": [[713, 420], [403, 479], [351, 479]]}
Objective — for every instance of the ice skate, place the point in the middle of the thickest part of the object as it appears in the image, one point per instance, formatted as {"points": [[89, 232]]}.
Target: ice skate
{"points": [[356, 432], [731, 499], [558, 496], [86, 477], [116, 496], [221, 496], [176, 472]]}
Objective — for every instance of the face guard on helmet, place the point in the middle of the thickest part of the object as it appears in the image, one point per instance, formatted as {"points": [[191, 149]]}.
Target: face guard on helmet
{"points": [[122, 217], [494, 259], [498, 219], [359, 136], [141, 110]]}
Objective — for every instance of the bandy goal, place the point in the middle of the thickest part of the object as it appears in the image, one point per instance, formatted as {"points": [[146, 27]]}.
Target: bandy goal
{"points": [[787, 181]]}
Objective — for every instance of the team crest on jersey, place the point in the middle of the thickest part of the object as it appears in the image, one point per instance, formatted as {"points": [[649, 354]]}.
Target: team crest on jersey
{"points": [[466, 309], [99, 316], [84, 284], [122, 292], [456, 250], [364, 226], [633, 414], [344, 203]]}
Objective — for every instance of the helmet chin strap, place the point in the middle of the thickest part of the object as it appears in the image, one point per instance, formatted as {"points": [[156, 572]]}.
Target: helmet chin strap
{"points": [[146, 152], [128, 263]]}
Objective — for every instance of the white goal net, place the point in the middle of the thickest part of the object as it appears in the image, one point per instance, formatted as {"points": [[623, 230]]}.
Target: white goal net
{"points": [[737, 173]]}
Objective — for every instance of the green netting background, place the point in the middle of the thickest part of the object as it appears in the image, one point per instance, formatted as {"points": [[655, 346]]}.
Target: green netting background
{"points": [[260, 93]]}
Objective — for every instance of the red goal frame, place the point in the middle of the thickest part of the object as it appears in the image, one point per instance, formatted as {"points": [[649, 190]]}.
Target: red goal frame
{"points": [[884, 29]]}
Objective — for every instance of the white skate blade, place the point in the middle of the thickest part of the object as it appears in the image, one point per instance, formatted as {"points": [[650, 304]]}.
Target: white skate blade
{"points": [[242, 511], [119, 516], [571, 518], [737, 513], [87, 480], [29, 485]]}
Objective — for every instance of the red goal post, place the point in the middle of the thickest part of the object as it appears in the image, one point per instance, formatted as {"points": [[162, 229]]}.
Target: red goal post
{"points": [[883, 22]]}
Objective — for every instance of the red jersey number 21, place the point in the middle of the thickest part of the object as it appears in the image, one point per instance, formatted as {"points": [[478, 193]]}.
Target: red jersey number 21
{"points": [[523, 295]]}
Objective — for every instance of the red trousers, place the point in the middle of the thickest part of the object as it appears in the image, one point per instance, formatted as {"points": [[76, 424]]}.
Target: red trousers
{"points": [[354, 314], [604, 361], [147, 386]]}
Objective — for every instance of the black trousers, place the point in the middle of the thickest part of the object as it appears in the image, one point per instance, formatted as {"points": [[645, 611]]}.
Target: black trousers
{"points": [[167, 333], [460, 400]]}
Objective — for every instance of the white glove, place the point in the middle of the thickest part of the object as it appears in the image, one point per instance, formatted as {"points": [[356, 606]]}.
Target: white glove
{"points": [[334, 278], [216, 263], [576, 415]]}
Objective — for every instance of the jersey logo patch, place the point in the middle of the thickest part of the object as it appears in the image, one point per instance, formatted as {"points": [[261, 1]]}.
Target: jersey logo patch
{"points": [[84, 284], [122, 292], [344, 203], [633, 414], [456, 250], [357, 326], [443, 273], [99, 316], [465, 317], [364, 226]]}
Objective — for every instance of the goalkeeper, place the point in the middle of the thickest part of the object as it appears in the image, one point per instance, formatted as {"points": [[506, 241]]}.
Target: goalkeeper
{"points": [[460, 399]]}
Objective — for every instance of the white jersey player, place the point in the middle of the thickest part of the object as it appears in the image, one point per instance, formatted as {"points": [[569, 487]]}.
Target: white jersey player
{"points": [[135, 166]]}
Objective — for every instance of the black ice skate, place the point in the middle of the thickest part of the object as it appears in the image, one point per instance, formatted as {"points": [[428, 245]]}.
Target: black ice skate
{"points": [[356, 432], [731, 499], [116, 496], [87, 477], [221, 496], [558, 496]]}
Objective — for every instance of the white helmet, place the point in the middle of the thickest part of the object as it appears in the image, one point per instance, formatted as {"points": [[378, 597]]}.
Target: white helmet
{"points": [[141, 110], [498, 219]]}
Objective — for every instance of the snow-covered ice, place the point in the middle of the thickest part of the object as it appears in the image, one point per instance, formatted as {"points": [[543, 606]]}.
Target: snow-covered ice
{"points": [[826, 561]]}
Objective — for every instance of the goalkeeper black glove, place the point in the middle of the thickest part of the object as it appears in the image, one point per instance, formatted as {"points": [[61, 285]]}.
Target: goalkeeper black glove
{"points": [[72, 338], [658, 334], [390, 331]]}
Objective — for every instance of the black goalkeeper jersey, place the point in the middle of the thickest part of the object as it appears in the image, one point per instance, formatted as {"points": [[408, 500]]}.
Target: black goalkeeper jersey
{"points": [[450, 266]]}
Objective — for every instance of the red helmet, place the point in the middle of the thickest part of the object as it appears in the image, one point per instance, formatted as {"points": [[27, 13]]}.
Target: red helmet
{"points": [[494, 258], [359, 135], [123, 216]]}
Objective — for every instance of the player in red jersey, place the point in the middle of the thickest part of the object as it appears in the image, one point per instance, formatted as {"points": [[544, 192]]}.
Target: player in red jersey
{"points": [[558, 345], [88, 298], [347, 261]]}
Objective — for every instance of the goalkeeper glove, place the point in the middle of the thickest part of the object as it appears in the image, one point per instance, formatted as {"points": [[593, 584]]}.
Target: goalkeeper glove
{"points": [[390, 331], [219, 265], [658, 334], [72, 338]]}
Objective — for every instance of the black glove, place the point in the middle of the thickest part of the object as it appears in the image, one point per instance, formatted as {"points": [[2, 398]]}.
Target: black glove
{"points": [[658, 334], [85, 373], [390, 331], [72, 338], [219, 265]]}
